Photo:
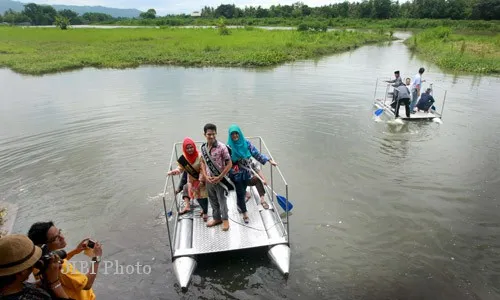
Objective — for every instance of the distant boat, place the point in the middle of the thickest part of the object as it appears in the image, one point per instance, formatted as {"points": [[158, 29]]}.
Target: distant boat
{"points": [[384, 108], [189, 236]]}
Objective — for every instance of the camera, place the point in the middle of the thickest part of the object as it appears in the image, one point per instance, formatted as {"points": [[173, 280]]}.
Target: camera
{"points": [[44, 261], [91, 244]]}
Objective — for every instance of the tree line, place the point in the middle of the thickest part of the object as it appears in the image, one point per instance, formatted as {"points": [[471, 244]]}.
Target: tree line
{"points": [[46, 15], [367, 9], [377, 9]]}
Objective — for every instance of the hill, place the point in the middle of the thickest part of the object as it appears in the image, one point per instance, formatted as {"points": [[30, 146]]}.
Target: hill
{"points": [[114, 12]]}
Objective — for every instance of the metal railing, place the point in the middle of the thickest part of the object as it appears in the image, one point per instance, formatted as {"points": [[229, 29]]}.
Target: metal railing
{"points": [[172, 213]]}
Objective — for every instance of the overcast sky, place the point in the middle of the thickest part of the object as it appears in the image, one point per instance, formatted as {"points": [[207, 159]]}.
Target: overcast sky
{"points": [[163, 7]]}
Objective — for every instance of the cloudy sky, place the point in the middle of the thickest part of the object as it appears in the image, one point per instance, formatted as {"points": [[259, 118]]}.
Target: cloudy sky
{"points": [[178, 6]]}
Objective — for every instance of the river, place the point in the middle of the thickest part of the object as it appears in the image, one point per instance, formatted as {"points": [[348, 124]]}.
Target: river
{"points": [[381, 212]]}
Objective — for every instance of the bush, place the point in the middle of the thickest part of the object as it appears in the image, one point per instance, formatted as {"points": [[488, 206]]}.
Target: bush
{"points": [[62, 22], [223, 30], [303, 27]]}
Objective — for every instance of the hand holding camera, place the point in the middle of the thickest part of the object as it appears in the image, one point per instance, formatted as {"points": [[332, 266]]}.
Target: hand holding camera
{"points": [[54, 267], [92, 248], [82, 245]]}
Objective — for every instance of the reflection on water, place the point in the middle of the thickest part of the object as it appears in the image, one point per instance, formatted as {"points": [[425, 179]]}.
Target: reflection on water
{"points": [[380, 211]]}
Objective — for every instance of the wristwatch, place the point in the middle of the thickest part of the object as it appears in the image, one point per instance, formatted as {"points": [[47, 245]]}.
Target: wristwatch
{"points": [[96, 259]]}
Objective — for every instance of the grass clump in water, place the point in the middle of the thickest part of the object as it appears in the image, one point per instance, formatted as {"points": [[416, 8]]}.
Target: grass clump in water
{"points": [[47, 50], [459, 52]]}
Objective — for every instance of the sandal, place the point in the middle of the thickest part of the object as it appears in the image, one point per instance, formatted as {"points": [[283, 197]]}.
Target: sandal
{"points": [[265, 205]]}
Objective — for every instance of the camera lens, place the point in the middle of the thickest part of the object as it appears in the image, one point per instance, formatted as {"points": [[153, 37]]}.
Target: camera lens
{"points": [[61, 253]]}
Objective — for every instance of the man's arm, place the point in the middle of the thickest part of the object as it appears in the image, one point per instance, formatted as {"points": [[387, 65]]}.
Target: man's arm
{"points": [[229, 163], [79, 248], [204, 172], [72, 253], [91, 275]]}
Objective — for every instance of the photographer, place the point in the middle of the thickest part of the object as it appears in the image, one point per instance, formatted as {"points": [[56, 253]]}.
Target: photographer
{"points": [[76, 284], [18, 255]]}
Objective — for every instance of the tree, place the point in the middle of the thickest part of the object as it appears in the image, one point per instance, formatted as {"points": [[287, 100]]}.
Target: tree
{"points": [[381, 9], [96, 17], [486, 10], [150, 14], [40, 14], [225, 10], [68, 13], [13, 17]]}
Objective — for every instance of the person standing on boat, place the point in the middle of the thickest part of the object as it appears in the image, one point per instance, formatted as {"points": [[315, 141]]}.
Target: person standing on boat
{"points": [[215, 165], [190, 162], [416, 85], [242, 151], [397, 81], [402, 94]]}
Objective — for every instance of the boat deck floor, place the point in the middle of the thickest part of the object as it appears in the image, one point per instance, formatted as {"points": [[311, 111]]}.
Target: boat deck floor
{"points": [[419, 115], [239, 236]]}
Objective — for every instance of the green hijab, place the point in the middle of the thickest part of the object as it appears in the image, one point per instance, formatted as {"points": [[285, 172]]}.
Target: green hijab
{"points": [[239, 148]]}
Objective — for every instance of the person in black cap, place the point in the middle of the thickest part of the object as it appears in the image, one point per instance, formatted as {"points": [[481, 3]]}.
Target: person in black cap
{"points": [[395, 83]]}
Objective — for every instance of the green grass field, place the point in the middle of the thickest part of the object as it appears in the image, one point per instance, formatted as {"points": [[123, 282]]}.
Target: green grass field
{"points": [[47, 50], [473, 53]]}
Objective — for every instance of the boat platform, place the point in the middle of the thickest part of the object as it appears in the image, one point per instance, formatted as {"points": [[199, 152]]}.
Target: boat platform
{"points": [[189, 236], [383, 105]]}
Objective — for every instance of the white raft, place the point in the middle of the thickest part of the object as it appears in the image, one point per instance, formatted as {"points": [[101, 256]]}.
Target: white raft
{"points": [[383, 107], [189, 236]]}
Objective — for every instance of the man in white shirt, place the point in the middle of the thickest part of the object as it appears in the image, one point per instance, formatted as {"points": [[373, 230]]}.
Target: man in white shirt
{"points": [[416, 85]]}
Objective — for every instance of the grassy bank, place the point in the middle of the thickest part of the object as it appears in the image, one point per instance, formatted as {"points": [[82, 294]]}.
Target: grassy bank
{"points": [[458, 52], [45, 50]]}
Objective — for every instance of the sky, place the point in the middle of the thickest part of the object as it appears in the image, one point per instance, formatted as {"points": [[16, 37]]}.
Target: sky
{"points": [[163, 7]]}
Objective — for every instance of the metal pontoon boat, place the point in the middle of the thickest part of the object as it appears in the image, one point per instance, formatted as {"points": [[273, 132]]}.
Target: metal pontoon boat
{"points": [[189, 236], [383, 105]]}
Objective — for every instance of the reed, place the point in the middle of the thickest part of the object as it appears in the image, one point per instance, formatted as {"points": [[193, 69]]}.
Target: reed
{"points": [[456, 51]]}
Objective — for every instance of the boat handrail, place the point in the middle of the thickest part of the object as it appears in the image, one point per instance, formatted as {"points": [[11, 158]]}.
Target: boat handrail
{"points": [[170, 212], [273, 196]]}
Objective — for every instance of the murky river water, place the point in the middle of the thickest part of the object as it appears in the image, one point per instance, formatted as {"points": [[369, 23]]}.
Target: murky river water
{"points": [[381, 212]]}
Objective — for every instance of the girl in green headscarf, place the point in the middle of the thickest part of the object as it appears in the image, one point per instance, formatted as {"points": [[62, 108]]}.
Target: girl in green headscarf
{"points": [[242, 152]]}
